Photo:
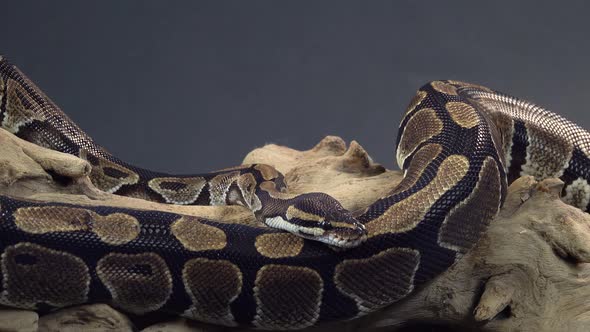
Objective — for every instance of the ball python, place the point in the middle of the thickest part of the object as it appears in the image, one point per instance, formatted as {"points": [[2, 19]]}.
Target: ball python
{"points": [[459, 146]]}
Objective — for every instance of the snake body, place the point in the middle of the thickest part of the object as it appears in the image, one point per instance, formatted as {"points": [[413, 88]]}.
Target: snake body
{"points": [[459, 145]]}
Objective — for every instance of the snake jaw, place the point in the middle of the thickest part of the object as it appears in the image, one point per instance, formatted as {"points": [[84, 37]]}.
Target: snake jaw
{"points": [[348, 238]]}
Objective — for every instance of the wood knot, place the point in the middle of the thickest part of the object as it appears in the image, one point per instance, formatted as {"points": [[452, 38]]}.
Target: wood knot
{"points": [[333, 145]]}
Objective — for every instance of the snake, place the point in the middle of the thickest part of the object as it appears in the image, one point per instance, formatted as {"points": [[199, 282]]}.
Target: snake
{"points": [[308, 261]]}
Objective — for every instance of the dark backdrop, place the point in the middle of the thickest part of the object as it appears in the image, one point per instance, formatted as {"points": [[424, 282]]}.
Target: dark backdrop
{"points": [[191, 86]]}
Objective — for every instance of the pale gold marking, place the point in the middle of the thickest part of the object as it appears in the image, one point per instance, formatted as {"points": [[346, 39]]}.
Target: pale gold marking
{"points": [[418, 98], [116, 228], [105, 182], [463, 114], [293, 212], [547, 154], [471, 85], [271, 188], [196, 236], [422, 158], [443, 87], [406, 214], [219, 185], [468, 219], [268, 172], [279, 245], [247, 185], [16, 114], [46, 219], [233, 168], [189, 191], [423, 125]]}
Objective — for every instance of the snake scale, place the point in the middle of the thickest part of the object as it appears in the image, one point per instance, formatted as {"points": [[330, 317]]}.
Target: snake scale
{"points": [[459, 145]]}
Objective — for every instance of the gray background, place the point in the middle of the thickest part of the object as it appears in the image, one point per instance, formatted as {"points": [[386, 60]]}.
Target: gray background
{"points": [[191, 86]]}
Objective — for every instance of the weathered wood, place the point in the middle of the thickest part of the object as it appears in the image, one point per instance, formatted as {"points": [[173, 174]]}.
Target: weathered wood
{"points": [[528, 273]]}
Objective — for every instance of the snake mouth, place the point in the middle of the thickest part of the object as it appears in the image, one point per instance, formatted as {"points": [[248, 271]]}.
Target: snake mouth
{"points": [[348, 238]]}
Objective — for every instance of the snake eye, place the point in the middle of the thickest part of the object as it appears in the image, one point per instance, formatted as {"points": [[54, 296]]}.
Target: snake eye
{"points": [[325, 225]]}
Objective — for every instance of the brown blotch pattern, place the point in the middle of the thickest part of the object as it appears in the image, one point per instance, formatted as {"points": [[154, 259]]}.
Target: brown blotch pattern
{"points": [[287, 297], [212, 285], [46, 219], [219, 185], [102, 174], [547, 154], [32, 274], [16, 113], [247, 184], [463, 114], [379, 280], [443, 87], [196, 236], [422, 158], [465, 223], [114, 229], [406, 214], [416, 100], [471, 85], [138, 283], [423, 125], [279, 245], [268, 172], [178, 190]]}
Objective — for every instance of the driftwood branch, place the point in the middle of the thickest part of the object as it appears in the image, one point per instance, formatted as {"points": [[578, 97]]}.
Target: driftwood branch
{"points": [[529, 272]]}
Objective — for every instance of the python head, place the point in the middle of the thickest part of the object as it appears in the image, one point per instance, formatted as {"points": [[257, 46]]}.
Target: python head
{"points": [[319, 217]]}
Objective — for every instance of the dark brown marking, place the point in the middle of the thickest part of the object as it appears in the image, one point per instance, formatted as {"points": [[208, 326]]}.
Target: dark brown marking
{"points": [[138, 283], [32, 275], [114, 173], [212, 285], [287, 297], [520, 143], [379, 280]]}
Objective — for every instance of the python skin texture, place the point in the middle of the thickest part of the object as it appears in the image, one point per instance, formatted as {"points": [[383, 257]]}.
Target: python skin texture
{"points": [[459, 146]]}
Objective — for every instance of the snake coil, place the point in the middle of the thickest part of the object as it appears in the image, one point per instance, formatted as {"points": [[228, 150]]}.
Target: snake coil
{"points": [[459, 145]]}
